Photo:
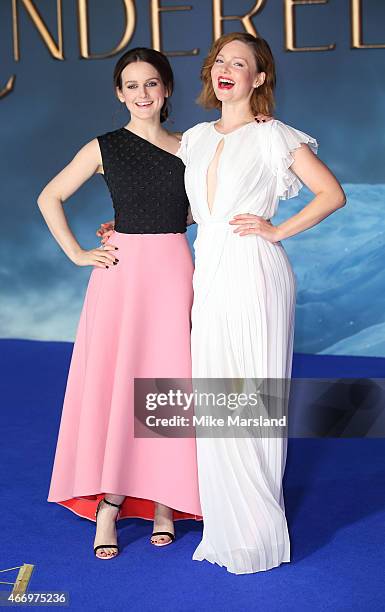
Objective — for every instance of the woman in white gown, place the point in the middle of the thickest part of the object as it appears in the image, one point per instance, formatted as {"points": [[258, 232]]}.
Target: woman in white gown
{"points": [[244, 287]]}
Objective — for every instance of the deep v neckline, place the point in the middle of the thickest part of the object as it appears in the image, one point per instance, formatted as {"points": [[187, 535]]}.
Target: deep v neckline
{"points": [[222, 138], [217, 168]]}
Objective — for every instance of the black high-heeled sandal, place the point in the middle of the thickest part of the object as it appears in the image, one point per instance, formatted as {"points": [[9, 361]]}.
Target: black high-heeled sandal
{"points": [[106, 545], [167, 533]]}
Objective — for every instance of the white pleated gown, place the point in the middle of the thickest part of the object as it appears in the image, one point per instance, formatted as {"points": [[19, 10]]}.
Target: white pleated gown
{"points": [[242, 327]]}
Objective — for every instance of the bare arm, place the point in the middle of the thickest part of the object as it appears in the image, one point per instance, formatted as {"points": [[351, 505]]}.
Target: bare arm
{"points": [[329, 197], [84, 165]]}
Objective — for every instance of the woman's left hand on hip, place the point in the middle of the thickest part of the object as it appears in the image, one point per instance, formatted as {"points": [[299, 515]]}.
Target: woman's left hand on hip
{"points": [[248, 223]]}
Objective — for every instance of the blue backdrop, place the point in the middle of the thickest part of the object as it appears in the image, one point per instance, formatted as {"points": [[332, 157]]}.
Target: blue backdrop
{"points": [[337, 96]]}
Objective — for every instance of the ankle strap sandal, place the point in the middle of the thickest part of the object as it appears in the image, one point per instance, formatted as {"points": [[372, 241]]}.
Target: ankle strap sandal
{"points": [[96, 548]]}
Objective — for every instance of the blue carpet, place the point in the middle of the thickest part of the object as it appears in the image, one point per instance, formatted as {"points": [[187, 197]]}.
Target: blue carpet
{"points": [[334, 492]]}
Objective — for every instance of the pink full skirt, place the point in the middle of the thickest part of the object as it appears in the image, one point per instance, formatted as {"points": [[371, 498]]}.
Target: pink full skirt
{"points": [[135, 322]]}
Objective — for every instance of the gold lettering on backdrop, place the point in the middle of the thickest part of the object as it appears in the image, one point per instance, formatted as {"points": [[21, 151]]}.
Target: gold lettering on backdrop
{"points": [[356, 28], [129, 28], [156, 30], [56, 50], [219, 18], [290, 29], [9, 86]]}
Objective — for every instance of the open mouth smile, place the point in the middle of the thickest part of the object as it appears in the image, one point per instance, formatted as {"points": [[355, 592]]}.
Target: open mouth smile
{"points": [[225, 83], [143, 104]]}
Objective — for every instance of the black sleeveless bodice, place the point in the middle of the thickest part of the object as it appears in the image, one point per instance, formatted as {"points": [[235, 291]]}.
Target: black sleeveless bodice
{"points": [[146, 185]]}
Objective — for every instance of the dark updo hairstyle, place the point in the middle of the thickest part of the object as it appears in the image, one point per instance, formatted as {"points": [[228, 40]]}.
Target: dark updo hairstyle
{"points": [[158, 61]]}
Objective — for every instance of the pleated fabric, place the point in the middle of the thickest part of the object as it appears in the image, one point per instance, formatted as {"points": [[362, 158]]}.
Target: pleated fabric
{"points": [[135, 322], [242, 327]]}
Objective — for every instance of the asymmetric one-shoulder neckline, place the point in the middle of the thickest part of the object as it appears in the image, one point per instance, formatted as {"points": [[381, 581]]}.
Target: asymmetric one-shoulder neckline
{"points": [[150, 143]]}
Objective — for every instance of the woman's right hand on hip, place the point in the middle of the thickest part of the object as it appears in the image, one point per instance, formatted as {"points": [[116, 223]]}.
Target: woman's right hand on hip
{"points": [[101, 257]]}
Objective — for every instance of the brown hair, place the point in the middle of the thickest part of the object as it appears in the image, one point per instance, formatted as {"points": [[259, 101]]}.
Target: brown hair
{"points": [[158, 61], [262, 99]]}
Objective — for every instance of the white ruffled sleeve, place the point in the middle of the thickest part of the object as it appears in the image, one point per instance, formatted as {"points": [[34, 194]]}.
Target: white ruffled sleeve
{"points": [[283, 141]]}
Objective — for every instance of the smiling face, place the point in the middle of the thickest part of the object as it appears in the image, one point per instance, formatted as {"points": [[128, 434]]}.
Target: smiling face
{"points": [[142, 90], [234, 73]]}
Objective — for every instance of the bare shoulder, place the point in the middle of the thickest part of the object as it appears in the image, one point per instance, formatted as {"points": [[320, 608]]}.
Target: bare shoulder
{"points": [[177, 136], [195, 129], [173, 142], [90, 153], [92, 147], [90, 150]]}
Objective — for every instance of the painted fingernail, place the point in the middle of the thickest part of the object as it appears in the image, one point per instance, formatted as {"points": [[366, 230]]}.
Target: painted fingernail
{"points": [[107, 266]]}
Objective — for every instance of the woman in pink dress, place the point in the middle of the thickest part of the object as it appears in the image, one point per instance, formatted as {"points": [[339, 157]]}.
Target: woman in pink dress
{"points": [[140, 292]]}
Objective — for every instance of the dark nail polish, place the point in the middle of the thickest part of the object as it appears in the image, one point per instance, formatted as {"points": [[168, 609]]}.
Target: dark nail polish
{"points": [[116, 259], [107, 266], [115, 263]]}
